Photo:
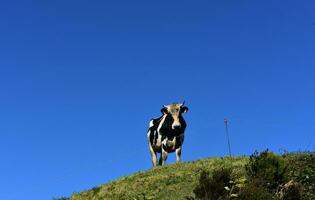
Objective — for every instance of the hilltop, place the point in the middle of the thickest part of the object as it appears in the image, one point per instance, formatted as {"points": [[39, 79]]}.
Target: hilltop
{"points": [[177, 181]]}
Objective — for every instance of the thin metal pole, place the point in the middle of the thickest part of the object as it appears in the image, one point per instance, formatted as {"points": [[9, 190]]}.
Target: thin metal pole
{"points": [[227, 135]]}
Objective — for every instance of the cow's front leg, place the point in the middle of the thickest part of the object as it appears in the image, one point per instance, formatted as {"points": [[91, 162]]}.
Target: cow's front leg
{"points": [[153, 155], [163, 156], [178, 154]]}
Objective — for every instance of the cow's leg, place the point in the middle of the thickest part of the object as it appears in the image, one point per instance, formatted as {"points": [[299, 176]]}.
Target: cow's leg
{"points": [[178, 154], [153, 155], [163, 156]]}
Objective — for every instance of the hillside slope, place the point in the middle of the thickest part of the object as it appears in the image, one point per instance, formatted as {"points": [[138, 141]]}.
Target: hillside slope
{"points": [[174, 181]]}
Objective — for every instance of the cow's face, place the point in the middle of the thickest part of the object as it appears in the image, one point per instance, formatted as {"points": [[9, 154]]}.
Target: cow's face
{"points": [[175, 111]]}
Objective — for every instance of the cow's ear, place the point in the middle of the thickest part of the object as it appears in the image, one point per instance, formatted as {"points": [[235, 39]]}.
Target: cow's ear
{"points": [[164, 110], [184, 109]]}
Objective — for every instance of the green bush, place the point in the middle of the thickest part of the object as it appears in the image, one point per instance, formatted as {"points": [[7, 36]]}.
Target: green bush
{"points": [[61, 198], [212, 187], [268, 168], [301, 168]]}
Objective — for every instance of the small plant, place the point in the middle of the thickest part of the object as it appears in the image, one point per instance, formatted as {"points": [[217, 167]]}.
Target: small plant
{"points": [[254, 191], [235, 186], [291, 191]]}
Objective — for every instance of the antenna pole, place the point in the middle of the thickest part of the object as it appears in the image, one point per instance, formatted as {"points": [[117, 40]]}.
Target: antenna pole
{"points": [[227, 135]]}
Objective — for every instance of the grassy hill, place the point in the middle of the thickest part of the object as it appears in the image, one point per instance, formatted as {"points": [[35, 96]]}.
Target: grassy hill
{"points": [[177, 181]]}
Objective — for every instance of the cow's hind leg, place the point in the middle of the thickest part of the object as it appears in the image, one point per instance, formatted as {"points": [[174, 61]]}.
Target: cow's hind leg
{"points": [[163, 157], [178, 154], [153, 155]]}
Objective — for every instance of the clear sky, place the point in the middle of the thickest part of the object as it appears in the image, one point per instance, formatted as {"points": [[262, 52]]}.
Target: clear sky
{"points": [[79, 81]]}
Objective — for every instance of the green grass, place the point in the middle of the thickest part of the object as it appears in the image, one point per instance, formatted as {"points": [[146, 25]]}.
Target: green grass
{"points": [[174, 181]]}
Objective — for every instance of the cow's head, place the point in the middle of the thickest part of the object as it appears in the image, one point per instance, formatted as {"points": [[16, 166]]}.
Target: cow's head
{"points": [[174, 113]]}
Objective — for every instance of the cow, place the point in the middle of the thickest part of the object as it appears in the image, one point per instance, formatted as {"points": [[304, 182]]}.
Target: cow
{"points": [[166, 133]]}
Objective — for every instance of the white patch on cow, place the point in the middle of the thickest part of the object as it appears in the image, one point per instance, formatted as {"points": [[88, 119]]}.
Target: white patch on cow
{"points": [[164, 142], [159, 139], [151, 123]]}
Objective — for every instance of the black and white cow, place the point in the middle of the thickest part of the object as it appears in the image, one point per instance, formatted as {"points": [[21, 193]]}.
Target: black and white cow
{"points": [[166, 133]]}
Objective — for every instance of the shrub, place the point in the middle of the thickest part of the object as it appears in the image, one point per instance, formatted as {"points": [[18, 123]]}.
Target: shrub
{"points": [[268, 168], [214, 187]]}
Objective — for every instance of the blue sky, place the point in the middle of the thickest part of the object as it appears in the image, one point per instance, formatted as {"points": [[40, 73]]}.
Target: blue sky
{"points": [[79, 81]]}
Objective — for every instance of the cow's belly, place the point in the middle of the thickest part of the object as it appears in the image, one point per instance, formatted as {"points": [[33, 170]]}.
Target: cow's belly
{"points": [[172, 144], [168, 145]]}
